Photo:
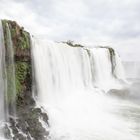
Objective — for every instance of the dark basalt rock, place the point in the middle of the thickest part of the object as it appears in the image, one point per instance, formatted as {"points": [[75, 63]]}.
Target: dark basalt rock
{"points": [[27, 126]]}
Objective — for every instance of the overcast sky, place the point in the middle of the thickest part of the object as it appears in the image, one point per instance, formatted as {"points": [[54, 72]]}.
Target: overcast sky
{"points": [[113, 23]]}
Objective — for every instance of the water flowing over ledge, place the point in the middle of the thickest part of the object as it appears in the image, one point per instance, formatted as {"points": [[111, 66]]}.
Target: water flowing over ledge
{"points": [[77, 67], [61, 91]]}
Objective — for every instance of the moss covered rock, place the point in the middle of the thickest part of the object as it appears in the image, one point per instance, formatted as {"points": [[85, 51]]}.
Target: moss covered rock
{"points": [[18, 73], [22, 55]]}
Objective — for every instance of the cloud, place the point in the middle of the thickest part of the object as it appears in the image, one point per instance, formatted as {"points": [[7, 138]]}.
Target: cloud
{"points": [[103, 22]]}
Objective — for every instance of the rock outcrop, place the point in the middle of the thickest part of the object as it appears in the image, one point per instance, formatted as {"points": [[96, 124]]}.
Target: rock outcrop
{"points": [[27, 125]]}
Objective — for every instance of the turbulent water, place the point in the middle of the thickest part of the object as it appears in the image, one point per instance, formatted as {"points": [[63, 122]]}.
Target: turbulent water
{"points": [[73, 84]]}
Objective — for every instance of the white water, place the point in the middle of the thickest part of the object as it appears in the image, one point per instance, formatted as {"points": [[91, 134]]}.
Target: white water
{"points": [[102, 69], [119, 70], [77, 110]]}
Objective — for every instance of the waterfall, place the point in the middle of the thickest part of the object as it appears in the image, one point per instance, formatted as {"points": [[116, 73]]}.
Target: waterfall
{"points": [[71, 68], [106, 73], [2, 117], [10, 85], [62, 65], [119, 70], [7, 78], [71, 83]]}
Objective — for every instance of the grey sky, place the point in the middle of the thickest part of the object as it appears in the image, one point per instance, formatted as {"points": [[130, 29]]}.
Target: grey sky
{"points": [[92, 22]]}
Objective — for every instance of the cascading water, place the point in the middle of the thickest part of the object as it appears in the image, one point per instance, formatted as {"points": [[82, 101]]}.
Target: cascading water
{"points": [[61, 64], [7, 78], [102, 68], [2, 116], [10, 85], [70, 83]]}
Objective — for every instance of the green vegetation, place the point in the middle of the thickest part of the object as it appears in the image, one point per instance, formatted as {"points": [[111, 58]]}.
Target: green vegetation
{"points": [[20, 37], [22, 69], [22, 59]]}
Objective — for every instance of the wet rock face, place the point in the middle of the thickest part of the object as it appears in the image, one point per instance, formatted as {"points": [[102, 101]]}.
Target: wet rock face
{"points": [[27, 125]]}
